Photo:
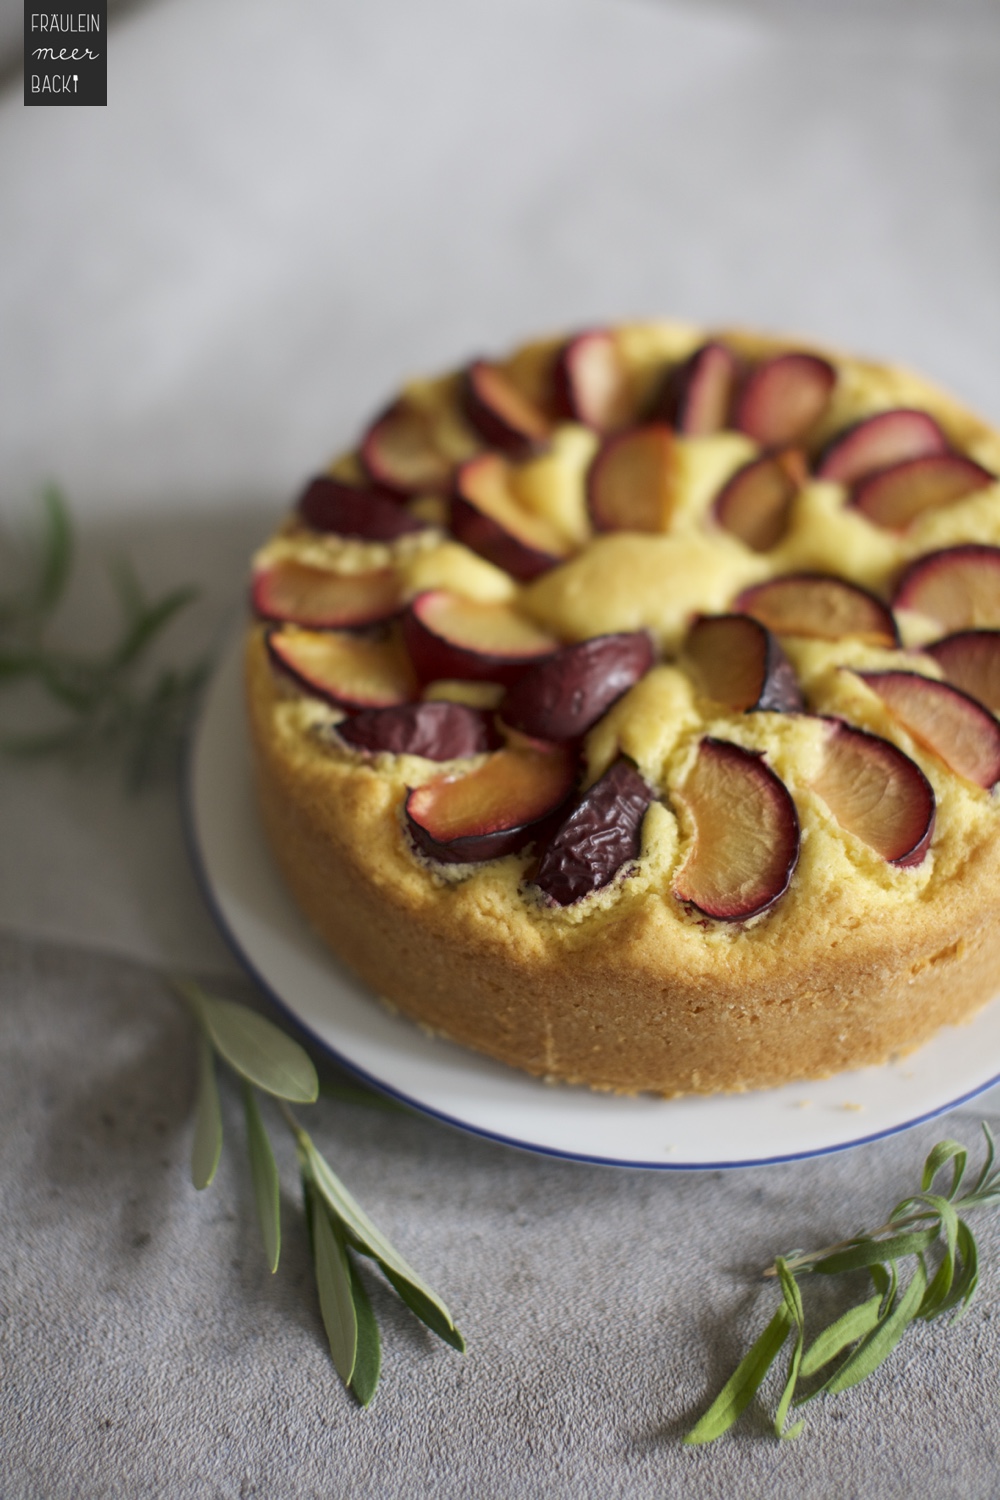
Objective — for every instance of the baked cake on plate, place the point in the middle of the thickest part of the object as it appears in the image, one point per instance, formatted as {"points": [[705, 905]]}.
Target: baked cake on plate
{"points": [[625, 708]]}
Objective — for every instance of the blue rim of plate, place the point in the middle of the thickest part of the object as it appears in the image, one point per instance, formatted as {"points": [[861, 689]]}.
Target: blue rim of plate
{"points": [[189, 822]]}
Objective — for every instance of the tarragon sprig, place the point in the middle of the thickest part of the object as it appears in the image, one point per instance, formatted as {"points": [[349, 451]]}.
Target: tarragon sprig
{"points": [[107, 700], [266, 1060], [927, 1230]]}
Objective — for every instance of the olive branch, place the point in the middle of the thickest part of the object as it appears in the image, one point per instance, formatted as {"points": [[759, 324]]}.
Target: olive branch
{"points": [[107, 701], [928, 1231], [268, 1061]]}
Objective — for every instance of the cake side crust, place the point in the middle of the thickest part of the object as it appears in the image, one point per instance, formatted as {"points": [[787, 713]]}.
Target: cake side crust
{"points": [[641, 1003]]}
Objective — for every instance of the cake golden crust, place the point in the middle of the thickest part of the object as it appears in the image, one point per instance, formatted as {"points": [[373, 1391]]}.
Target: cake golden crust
{"points": [[688, 1015], [630, 989]]}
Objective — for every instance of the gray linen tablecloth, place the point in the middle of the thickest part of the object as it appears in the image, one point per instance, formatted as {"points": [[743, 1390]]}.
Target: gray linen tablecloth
{"points": [[204, 288]]}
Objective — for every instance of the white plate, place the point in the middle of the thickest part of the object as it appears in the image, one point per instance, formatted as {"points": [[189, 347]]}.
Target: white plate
{"points": [[484, 1097]]}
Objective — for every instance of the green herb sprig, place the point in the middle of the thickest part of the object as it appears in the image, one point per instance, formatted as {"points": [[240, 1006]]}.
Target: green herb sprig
{"points": [[108, 701], [266, 1060], [926, 1229]]}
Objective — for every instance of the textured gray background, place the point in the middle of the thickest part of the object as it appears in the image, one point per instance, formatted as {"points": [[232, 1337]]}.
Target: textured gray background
{"points": [[203, 290], [147, 1351]]}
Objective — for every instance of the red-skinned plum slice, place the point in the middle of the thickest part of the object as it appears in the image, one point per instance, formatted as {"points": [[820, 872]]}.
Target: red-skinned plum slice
{"points": [[970, 660], [698, 394], [345, 510], [821, 606], [501, 414], [895, 497], [880, 441], [940, 717], [449, 636], [349, 671], [746, 834], [591, 383], [631, 483], [959, 587], [563, 696], [878, 793], [293, 592], [437, 731], [486, 517], [399, 452], [784, 397], [493, 810], [736, 661], [602, 833], [755, 503]]}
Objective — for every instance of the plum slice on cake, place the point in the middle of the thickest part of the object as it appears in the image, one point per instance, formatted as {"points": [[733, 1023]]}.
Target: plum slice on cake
{"points": [[487, 516], [820, 606], [370, 514], [591, 382], [566, 693], [600, 835], [970, 660], [956, 727], [784, 397], [500, 413], [697, 395], [736, 661], [492, 811], [435, 730], [877, 793], [897, 496], [879, 441], [957, 587], [400, 451], [293, 592], [349, 671], [755, 504], [450, 636], [745, 842], [632, 481]]}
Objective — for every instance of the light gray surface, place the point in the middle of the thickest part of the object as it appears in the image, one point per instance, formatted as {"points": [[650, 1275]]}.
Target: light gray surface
{"points": [[204, 289], [147, 1351]]}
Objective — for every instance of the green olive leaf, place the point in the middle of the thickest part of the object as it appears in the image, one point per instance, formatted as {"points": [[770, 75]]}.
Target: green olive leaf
{"points": [[983, 1181], [255, 1048], [744, 1383], [264, 1173], [793, 1306], [57, 552], [869, 1252], [879, 1344], [966, 1279], [207, 1146], [844, 1331], [333, 1283], [370, 1241], [427, 1308], [939, 1290], [368, 1361], [942, 1153]]}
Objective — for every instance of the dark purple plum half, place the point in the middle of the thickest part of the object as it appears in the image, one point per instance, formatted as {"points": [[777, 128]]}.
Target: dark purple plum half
{"points": [[328, 505], [437, 731], [574, 687], [600, 835]]}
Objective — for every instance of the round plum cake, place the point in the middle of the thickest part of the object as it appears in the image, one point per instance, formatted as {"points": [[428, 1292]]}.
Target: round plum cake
{"points": [[625, 708]]}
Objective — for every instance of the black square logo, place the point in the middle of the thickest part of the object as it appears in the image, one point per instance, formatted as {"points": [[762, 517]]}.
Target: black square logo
{"points": [[65, 54]]}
